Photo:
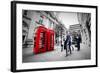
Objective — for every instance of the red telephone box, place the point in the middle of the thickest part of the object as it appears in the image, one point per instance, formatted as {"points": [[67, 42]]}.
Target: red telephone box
{"points": [[40, 40], [50, 40]]}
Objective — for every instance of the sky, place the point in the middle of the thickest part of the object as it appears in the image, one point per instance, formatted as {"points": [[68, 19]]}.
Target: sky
{"points": [[68, 18]]}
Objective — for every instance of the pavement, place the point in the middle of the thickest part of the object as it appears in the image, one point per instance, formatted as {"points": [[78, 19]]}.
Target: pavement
{"points": [[57, 55]]}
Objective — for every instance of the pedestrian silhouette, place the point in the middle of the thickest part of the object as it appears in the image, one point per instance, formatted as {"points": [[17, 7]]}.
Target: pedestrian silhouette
{"points": [[67, 44], [79, 40], [62, 46]]}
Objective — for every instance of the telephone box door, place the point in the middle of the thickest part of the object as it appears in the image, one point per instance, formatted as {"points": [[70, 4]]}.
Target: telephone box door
{"points": [[50, 40]]}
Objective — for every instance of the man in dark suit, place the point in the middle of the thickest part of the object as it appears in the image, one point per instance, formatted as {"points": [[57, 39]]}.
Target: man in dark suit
{"points": [[65, 46], [67, 43], [79, 40]]}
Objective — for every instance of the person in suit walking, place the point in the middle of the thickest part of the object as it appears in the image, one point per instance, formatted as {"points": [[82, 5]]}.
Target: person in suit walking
{"points": [[67, 43], [65, 46], [79, 40], [62, 46]]}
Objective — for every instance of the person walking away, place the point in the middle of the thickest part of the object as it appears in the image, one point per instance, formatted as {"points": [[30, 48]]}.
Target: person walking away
{"points": [[67, 43], [65, 46], [62, 46], [78, 42]]}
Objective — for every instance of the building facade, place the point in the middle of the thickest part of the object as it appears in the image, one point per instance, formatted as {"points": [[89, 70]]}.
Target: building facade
{"points": [[33, 19], [85, 21]]}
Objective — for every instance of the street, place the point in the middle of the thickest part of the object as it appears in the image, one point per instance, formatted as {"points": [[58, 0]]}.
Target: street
{"points": [[57, 55]]}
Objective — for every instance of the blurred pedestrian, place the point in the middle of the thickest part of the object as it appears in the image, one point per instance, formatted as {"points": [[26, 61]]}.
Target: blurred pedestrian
{"points": [[79, 40], [67, 44], [62, 44]]}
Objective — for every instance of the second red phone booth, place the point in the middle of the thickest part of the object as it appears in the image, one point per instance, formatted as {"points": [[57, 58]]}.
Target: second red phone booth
{"points": [[50, 40]]}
